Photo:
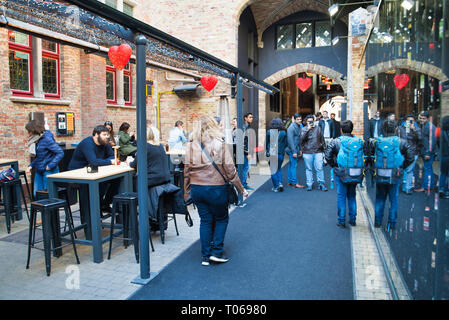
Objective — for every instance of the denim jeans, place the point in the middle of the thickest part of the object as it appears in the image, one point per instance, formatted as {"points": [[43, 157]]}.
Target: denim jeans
{"points": [[345, 191], [314, 160], [408, 176], [444, 173], [428, 171], [245, 171], [292, 175], [40, 180], [276, 172], [212, 205], [382, 191]]}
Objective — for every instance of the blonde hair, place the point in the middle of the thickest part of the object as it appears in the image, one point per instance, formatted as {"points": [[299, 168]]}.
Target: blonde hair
{"points": [[150, 134], [206, 128]]}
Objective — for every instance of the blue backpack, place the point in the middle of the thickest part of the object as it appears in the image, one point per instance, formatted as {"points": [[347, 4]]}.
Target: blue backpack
{"points": [[388, 160], [350, 160]]}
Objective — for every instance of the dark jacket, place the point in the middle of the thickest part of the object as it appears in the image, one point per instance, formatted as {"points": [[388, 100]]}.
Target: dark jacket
{"points": [[173, 200], [337, 128], [429, 139], [48, 153], [281, 142], [413, 137], [87, 152], [246, 150], [332, 149], [372, 124], [312, 141], [331, 127], [157, 165], [444, 143], [293, 139], [404, 148]]}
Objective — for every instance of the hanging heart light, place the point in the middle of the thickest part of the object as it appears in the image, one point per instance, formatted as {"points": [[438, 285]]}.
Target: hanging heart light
{"points": [[303, 83], [401, 80], [209, 82], [120, 55]]}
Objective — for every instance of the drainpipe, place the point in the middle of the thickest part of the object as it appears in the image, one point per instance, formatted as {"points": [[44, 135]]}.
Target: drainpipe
{"points": [[159, 109]]}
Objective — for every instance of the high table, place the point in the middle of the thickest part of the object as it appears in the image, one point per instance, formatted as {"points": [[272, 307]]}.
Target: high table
{"points": [[14, 163], [92, 181]]}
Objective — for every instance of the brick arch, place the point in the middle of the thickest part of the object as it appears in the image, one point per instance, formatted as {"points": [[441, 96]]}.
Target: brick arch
{"points": [[288, 72], [417, 66]]}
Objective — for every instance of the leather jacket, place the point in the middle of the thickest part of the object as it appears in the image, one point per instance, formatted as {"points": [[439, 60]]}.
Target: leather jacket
{"points": [[199, 170], [312, 140]]}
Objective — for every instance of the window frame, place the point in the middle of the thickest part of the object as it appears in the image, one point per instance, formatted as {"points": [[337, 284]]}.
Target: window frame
{"points": [[54, 56], [127, 73], [113, 71], [27, 50]]}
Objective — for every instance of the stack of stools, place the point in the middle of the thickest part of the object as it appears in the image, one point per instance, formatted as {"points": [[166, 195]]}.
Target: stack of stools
{"points": [[49, 208], [128, 203], [8, 188]]}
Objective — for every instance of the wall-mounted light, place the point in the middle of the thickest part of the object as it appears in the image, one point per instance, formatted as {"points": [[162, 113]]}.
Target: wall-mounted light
{"points": [[333, 9], [336, 39], [407, 4]]}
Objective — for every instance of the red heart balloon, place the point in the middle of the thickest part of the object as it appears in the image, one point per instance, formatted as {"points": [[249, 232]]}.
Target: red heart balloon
{"points": [[401, 80], [209, 83], [303, 83], [119, 55]]}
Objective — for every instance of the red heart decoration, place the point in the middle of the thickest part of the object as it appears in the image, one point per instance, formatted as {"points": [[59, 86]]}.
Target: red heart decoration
{"points": [[209, 83], [401, 80], [303, 83], [119, 55]]}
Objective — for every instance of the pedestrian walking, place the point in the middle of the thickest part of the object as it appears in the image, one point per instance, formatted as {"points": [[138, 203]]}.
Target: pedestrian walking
{"points": [[327, 127], [177, 137], [444, 161], [345, 154], [389, 156], [337, 127], [47, 153], [293, 149], [206, 185], [247, 152], [276, 143], [375, 126], [410, 131], [428, 151], [312, 144]]}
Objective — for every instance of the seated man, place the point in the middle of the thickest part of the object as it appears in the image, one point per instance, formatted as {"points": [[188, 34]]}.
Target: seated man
{"points": [[95, 150]]}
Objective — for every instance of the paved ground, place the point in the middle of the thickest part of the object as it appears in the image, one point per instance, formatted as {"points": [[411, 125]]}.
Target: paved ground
{"points": [[112, 278]]}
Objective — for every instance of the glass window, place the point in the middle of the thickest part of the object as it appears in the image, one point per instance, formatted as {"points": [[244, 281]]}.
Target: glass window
{"points": [[111, 3], [304, 35], [49, 46], [50, 75], [19, 70], [19, 38], [110, 86], [284, 37], [127, 88], [128, 9], [323, 34]]}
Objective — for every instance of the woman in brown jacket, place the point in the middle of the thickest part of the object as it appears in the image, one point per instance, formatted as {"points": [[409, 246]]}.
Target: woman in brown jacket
{"points": [[207, 187]]}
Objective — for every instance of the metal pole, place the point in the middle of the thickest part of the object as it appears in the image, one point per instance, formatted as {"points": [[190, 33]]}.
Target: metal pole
{"points": [[240, 138], [142, 184]]}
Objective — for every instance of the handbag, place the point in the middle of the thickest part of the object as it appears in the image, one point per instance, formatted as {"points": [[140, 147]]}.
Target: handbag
{"points": [[233, 196]]}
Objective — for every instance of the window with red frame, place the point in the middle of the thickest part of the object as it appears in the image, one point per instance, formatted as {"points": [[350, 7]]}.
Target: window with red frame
{"points": [[20, 63], [111, 83], [50, 69], [127, 85]]}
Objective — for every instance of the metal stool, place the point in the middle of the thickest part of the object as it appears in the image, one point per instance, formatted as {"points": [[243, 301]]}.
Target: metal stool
{"points": [[8, 188], [161, 218], [49, 208], [30, 195], [128, 203]]}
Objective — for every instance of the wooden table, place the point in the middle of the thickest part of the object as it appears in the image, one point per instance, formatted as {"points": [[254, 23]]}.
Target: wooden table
{"points": [[93, 180], [14, 163]]}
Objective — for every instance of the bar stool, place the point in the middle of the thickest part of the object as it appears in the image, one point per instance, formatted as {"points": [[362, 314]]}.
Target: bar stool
{"points": [[49, 208], [128, 203], [8, 187], [30, 195], [161, 218]]}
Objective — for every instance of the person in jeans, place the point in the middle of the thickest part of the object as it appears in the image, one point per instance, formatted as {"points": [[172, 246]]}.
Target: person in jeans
{"points": [[207, 187], [294, 149], [312, 144], [403, 158], [248, 154], [411, 132], [48, 154], [276, 142], [444, 161], [428, 151], [375, 126]]}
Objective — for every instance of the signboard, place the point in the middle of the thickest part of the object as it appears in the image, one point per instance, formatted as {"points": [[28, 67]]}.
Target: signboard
{"points": [[65, 123]]}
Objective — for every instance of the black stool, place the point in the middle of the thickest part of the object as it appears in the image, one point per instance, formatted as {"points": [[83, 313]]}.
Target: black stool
{"points": [[49, 208], [161, 218], [8, 188], [128, 203], [30, 195]]}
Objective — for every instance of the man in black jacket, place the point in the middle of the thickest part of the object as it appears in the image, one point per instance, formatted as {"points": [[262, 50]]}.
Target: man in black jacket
{"points": [[327, 127], [411, 132], [337, 126], [375, 126]]}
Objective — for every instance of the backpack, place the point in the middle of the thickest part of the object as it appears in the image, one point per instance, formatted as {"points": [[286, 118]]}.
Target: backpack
{"points": [[350, 160], [388, 160], [7, 175]]}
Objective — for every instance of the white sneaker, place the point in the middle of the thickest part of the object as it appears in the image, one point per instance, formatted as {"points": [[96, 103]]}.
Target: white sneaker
{"points": [[221, 259]]}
